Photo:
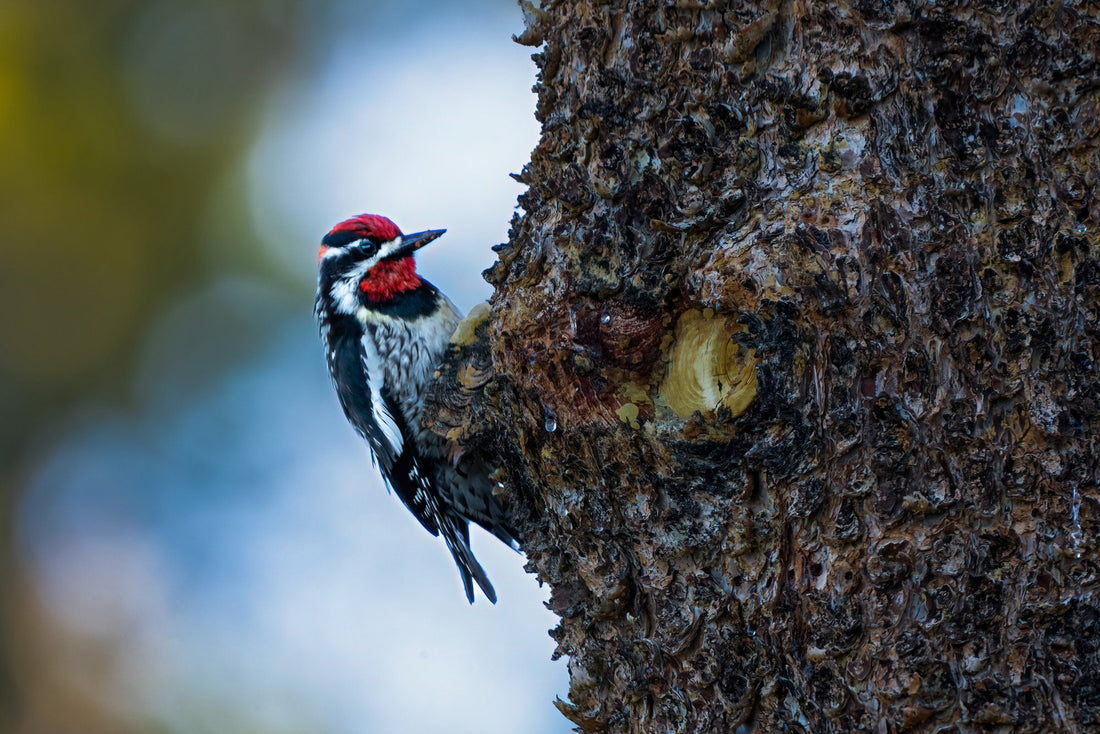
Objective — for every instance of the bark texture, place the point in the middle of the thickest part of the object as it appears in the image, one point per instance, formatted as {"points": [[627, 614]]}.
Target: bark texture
{"points": [[796, 346]]}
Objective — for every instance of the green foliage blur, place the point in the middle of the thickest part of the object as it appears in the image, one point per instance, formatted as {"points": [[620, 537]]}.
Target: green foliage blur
{"points": [[122, 123], [116, 120]]}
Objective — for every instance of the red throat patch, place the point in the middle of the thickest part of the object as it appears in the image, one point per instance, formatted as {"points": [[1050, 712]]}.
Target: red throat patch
{"points": [[388, 278]]}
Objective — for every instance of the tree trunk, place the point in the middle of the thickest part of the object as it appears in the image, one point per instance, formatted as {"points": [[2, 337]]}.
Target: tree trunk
{"points": [[796, 342]]}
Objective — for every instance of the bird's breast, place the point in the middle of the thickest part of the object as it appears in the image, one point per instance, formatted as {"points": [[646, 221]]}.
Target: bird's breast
{"points": [[408, 354]]}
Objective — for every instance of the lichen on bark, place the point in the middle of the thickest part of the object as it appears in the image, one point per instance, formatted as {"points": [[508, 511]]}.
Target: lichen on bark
{"points": [[887, 212]]}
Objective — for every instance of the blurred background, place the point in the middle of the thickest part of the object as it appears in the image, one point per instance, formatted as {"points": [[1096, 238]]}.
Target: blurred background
{"points": [[191, 537]]}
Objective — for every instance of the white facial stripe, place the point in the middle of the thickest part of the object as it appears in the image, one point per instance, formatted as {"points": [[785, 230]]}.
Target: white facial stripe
{"points": [[387, 248], [345, 290]]}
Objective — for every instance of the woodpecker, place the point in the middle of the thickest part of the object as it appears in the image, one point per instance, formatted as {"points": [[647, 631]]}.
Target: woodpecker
{"points": [[385, 330]]}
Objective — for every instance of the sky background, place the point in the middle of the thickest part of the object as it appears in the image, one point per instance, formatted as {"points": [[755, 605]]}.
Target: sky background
{"points": [[194, 538]]}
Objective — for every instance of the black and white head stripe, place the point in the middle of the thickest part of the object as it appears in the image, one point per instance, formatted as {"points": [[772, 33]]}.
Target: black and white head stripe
{"points": [[345, 237]]}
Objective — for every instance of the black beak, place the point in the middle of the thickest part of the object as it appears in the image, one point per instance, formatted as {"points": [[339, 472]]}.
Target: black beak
{"points": [[410, 243]]}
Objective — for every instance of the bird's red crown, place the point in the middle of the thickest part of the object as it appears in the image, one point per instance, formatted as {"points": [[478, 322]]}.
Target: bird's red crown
{"points": [[376, 226]]}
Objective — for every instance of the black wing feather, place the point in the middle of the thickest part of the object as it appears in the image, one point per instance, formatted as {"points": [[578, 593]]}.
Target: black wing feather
{"points": [[401, 467]]}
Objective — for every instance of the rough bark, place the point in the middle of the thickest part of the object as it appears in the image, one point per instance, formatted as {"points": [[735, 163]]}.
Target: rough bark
{"points": [[796, 352]]}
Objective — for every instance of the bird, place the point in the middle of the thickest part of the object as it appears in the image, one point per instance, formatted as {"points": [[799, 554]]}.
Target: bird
{"points": [[385, 331]]}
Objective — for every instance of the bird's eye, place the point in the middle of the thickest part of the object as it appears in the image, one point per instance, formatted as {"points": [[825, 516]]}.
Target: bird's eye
{"points": [[369, 247]]}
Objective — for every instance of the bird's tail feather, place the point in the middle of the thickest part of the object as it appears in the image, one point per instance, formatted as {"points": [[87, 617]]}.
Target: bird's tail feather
{"points": [[456, 533], [507, 535]]}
